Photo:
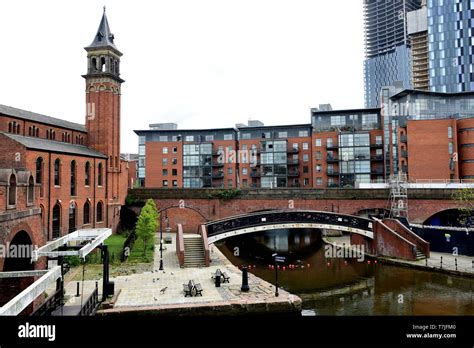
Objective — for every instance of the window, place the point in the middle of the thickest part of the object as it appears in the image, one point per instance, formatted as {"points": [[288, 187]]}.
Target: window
{"points": [[39, 174], [163, 138], [229, 183], [306, 182], [12, 191], [246, 135], [209, 138], [305, 146], [175, 149], [87, 174], [72, 217], [319, 155], [318, 142], [319, 181], [56, 221], [450, 132], [86, 213], [451, 148], [100, 213], [57, 172], [99, 175], [305, 157], [282, 134], [164, 161], [175, 161], [378, 140], [244, 171], [319, 168], [245, 183], [73, 178], [175, 183], [165, 150], [189, 138], [329, 142], [174, 172], [229, 170], [303, 133], [165, 183], [165, 172], [228, 137], [31, 191], [306, 169]]}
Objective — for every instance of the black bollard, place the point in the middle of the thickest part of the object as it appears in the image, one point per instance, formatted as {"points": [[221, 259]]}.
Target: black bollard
{"points": [[245, 280], [218, 281], [77, 290], [426, 262], [456, 263], [441, 264]]}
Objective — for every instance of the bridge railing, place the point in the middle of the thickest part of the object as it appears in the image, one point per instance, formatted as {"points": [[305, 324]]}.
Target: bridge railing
{"points": [[280, 217]]}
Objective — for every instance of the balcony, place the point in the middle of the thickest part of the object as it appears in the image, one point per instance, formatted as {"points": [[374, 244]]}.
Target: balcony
{"points": [[332, 146], [377, 158], [404, 153], [255, 174], [331, 159], [293, 162], [403, 139], [293, 173], [376, 146], [218, 175], [377, 171], [293, 150], [332, 173]]}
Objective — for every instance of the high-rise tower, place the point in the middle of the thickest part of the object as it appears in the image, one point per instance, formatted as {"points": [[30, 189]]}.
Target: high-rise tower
{"points": [[387, 46]]}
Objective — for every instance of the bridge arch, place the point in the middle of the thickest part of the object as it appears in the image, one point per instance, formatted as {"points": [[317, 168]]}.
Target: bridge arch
{"points": [[286, 219], [448, 217]]}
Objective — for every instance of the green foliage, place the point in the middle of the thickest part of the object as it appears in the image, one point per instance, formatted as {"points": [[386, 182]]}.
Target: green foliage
{"points": [[225, 195], [130, 200], [465, 197], [147, 224], [72, 261]]}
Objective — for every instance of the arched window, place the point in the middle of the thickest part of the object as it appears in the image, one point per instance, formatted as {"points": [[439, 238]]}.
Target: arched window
{"points": [[47, 134], [102, 64], [12, 191], [99, 175], [31, 191], [116, 162], [39, 174], [100, 207], [87, 213], [73, 178], [18, 129], [72, 217], [111, 162], [94, 64], [56, 221], [10, 127], [87, 174], [57, 172], [30, 130], [37, 132]]}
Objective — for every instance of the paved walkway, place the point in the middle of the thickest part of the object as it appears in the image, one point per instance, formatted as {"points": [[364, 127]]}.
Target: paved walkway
{"points": [[465, 264], [164, 289]]}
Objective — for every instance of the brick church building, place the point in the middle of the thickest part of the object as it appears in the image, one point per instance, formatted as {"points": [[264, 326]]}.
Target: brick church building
{"points": [[57, 176]]}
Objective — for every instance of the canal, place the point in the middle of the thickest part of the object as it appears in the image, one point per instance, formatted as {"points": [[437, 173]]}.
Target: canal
{"points": [[347, 286]]}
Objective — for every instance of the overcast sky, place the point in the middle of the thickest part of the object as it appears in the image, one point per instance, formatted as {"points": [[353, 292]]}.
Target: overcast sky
{"points": [[198, 63]]}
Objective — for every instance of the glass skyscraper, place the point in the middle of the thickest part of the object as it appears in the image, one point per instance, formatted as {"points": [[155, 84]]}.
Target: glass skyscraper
{"points": [[387, 46], [451, 45]]}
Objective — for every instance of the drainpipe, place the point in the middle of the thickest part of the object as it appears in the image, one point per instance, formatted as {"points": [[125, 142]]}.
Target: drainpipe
{"points": [[49, 196]]}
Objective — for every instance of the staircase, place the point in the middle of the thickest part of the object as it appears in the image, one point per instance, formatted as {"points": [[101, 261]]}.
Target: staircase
{"points": [[419, 255], [193, 251]]}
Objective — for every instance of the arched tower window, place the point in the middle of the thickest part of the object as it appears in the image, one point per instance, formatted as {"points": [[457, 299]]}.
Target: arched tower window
{"points": [[99, 175], [72, 217], [31, 191], [56, 221], [102, 64], [93, 64], [57, 172], [73, 178], [87, 174], [100, 207], [86, 213], [12, 191], [39, 174]]}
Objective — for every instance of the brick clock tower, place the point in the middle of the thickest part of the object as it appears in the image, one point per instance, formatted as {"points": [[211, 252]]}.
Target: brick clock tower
{"points": [[103, 90]]}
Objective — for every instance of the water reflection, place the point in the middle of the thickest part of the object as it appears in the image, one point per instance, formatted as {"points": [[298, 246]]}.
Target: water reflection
{"points": [[346, 286]]}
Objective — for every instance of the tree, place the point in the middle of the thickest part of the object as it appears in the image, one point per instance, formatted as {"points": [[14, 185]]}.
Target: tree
{"points": [[147, 223], [465, 197]]}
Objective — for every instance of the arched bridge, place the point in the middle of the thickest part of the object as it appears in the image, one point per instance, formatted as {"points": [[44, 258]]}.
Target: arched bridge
{"points": [[283, 219]]}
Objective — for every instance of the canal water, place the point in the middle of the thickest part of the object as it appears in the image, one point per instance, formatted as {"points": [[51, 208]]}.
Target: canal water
{"points": [[347, 286]]}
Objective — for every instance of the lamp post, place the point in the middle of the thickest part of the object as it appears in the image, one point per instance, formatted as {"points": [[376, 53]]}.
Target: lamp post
{"points": [[161, 243]]}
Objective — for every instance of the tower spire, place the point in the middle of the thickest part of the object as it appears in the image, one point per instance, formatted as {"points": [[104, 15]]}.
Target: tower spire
{"points": [[103, 37]]}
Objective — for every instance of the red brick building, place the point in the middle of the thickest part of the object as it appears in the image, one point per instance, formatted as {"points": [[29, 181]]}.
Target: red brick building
{"points": [[58, 176]]}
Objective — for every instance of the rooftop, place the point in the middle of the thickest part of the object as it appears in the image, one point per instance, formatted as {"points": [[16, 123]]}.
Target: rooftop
{"points": [[35, 117], [54, 146]]}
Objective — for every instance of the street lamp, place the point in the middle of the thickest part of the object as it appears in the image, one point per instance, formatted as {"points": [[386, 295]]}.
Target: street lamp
{"points": [[161, 243]]}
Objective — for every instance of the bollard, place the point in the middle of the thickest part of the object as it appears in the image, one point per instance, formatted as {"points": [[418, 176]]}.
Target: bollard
{"points": [[426, 262], [96, 285], [245, 280], [441, 263], [218, 281], [77, 290], [456, 263]]}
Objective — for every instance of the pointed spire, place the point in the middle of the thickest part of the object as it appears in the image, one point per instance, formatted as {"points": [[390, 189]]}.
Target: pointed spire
{"points": [[104, 37]]}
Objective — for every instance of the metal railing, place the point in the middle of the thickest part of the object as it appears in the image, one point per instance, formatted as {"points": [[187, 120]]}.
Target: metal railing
{"points": [[52, 302], [91, 305], [281, 216]]}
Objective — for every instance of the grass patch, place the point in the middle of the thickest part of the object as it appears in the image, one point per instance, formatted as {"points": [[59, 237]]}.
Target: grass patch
{"points": [[136, 254]]}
